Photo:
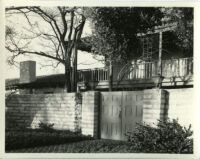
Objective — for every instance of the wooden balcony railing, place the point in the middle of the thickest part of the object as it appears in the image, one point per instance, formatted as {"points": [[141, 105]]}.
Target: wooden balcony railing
{"points": [[177, 67], [97, 74], [144, 70]]}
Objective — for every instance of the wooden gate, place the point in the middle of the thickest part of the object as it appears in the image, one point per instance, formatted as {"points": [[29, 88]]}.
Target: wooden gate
{"points": [[120, 111]]}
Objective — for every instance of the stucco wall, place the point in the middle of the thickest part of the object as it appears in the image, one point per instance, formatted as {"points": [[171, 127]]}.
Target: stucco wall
{"points": [[181, 105]]}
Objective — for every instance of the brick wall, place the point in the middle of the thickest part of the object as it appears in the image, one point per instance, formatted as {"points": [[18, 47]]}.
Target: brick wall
{"points": [[181, 105], [64, 111], [154, 106], [168, 103], [90, 113], [30, 110]]}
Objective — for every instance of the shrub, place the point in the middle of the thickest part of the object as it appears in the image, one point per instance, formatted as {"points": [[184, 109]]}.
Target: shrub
{"points": [[166, 137], [46, 126]]}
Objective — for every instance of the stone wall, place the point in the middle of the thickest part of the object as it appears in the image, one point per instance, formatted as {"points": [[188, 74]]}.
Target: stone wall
{"points": [[29, 110]]}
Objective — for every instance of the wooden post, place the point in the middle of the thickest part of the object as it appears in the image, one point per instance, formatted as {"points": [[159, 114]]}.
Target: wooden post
{"points": [[160, 55], [110, 75]]}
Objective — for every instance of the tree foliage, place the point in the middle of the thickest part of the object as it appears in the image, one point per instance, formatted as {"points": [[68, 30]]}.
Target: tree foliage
{"points": [[183, 33], [115, 29]]}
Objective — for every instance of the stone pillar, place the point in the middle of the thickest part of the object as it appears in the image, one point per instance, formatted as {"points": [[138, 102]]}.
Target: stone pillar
{"points": [[90, 113], [155, 106]]}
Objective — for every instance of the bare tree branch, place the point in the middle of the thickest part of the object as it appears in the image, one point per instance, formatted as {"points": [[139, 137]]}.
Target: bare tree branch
{"points": [[62, 23]]}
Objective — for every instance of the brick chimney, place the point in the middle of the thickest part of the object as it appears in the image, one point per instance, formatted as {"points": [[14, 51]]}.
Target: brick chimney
{"points": [[27, 71]]}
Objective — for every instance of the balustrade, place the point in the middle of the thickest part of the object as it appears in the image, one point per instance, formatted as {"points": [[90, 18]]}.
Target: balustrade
{"points": [[143, 70]]}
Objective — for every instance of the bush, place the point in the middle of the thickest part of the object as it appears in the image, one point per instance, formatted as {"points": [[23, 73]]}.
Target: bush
{"points": [[167, 137], [46, 126]]}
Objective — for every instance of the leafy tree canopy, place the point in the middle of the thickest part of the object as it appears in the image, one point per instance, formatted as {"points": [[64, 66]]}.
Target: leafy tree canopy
{"points": [[183, 33], [115, 28]]}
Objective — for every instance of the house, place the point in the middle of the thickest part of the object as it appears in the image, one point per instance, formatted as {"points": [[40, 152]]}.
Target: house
{"points": [[101, 114], [158, 63], [106, 115], [176, 73]]}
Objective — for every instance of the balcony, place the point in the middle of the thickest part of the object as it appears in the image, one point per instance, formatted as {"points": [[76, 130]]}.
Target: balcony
{"points": [[175, 72]]}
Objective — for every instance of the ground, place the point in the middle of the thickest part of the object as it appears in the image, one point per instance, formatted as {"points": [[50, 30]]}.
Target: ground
{"points": [[91, 146], [53, 141]]}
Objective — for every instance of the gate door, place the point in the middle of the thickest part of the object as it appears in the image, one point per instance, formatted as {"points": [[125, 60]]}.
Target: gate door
{"points": [[120, 111], [132, 110], [111, 115]]}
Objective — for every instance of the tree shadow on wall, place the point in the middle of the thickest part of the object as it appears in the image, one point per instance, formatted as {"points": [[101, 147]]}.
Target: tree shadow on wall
{"points": [[21, 110]]}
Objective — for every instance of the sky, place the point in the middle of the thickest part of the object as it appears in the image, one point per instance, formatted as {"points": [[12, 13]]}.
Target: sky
{"points": [[85, 59]]}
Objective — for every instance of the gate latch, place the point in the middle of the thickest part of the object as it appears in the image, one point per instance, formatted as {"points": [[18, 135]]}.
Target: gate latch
{"points": [[120, 112]]}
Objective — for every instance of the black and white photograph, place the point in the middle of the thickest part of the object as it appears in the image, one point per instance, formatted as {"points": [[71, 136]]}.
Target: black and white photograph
{"points": [[99, 79]]}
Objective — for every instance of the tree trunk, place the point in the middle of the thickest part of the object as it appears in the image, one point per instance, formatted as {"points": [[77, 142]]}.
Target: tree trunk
{"points": [[74, 70], [67, 76], [67, 80], [77, 38]]}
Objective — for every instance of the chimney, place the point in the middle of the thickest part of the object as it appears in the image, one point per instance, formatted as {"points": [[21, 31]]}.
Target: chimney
{"points": [[27, 71]]}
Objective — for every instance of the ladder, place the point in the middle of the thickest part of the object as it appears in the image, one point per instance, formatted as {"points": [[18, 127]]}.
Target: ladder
{"points": [[147, 48]]}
